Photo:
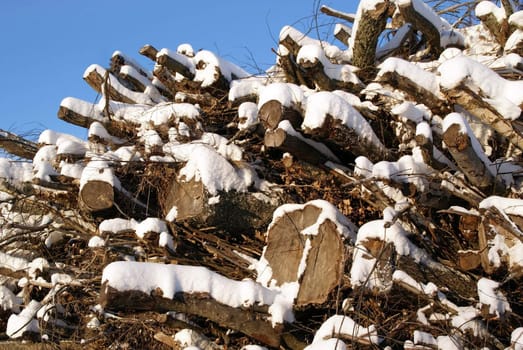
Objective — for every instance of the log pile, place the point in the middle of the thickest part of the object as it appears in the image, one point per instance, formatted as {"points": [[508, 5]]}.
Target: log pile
{"points": [[363, 197]]}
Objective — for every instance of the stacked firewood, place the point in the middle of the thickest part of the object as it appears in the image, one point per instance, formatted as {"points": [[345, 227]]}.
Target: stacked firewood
{"points": [[363, 195]]}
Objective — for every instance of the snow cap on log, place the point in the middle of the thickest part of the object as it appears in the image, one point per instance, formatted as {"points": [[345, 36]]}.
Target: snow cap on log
{"points": [[97, 185], [305, 249], [324, 105], [210, 67], [379, 234], [339, 326], [504, 95]]}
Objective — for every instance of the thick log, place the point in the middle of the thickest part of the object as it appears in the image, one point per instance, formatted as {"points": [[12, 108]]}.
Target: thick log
{"points": [[288, 247], [460, 147], [316, 71], [252, 323], [103, 82], [423, 24], [17, 145], [364, 40], [415, 91], [476, 105], [176, 63], [338, 135], [281, 140], [234, 211], [272, 112], [97, 195], [118, 128], [149, 51], [499, 28], [342, 33]]}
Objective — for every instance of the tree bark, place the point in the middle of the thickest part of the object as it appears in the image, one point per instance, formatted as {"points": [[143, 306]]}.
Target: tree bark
{"points": [[17, 145], [460, 147], [473, 103], [252, 323], [500, 31], [279, 139], [370, 25], [424, 25]]}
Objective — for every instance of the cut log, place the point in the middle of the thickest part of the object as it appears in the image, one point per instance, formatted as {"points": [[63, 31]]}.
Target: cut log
{"points": [[402, 79], [342, 33], [252, 323], [81, 113], [371, 22], [338, 14], [103, 82], [149, 51], [486, 11], [476, 105], [176, 63], [460, 147], [97, 195], [296, 253], [232, 211], [324, 74], [280, 139], [17, 145], [272, 112], [334, 133]]}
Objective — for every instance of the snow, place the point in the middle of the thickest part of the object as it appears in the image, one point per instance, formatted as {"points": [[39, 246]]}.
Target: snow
{"points": [[185, 49], [424, 129], [409, 111], [53, 237], [13, 263], [247, 115], [150, 225], [99, 170], [411, 71], [328, 212], [427, 12], [186, 61], [331, 51], [363, 264], [485, 8], [329, 344], [24, 321], [117, 86], [207, 63], [429, 289], [339, 325], [289, 95], [516, 19], [514, 41], [222, 146], [172, 214], [319, 146], [83, 108], [117, 225], [166, 240], [313, 53], [516, 338], [449, 342], [490, 295], [205, 164], [96, 242], [324, 103], [172, 279], [8, 300], [504, 95], [246, 87], [424, 338]]}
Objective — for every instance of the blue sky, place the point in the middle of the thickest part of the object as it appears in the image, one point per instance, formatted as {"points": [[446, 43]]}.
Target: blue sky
{"points": [[47, 44]]}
